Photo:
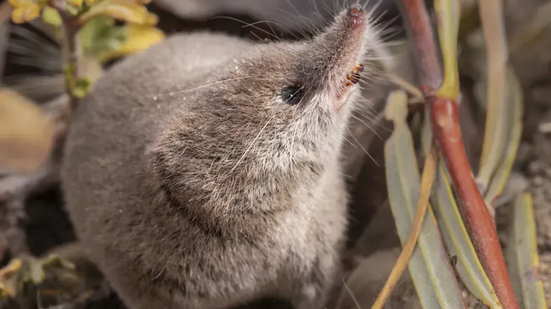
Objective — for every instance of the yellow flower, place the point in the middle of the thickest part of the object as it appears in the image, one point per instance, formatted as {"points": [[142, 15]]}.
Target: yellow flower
{"points": [[24, 10]]}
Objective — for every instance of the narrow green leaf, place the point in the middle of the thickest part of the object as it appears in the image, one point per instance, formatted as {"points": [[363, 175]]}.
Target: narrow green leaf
{"points": [[512, 111], [455, 234], [522, 256], [458, 242], [498, 129], [429, 266], [507, 134]]}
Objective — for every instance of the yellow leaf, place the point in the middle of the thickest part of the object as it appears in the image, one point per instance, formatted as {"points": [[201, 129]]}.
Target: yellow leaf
{"points": [[10, 269], [26, 135], [138, 38], [48, 275], [128, 10], [24, 10], [152, 19], [7, 288]]}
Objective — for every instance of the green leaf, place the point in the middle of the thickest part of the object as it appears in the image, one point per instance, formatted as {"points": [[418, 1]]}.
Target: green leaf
{"points": [[51, 16], [429, 266], [522, 255], [501, 136], [458, 242], [101, 35], [102, 39], [512, 113], [454, 232], [504, 136], [82, 87]]}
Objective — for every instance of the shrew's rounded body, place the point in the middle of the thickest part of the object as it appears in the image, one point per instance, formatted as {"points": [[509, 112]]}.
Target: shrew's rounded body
{"points": [[204, 172]]}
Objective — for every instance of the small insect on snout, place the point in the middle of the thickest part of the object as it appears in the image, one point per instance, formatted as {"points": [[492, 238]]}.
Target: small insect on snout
{"points": [[353, 77]]}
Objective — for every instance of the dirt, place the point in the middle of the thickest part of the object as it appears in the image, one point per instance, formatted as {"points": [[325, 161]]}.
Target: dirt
{"points": [[540, 187]]}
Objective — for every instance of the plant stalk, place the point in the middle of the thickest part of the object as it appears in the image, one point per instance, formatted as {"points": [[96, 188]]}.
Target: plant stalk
{"points": [[479, 221], [445, 123], [69, 43]]}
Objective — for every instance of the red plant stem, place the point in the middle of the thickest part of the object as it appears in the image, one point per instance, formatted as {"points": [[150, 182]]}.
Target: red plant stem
{"points": [[445, 123], [422, 37], [480, 224]]}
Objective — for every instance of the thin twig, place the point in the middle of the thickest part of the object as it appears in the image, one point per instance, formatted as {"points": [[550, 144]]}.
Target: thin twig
{"points": [[427, 179], [70, 49], [407, 86]]}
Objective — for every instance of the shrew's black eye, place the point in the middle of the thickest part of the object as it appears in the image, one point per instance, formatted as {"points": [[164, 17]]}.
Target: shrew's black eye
{"points": [[292, 95]]}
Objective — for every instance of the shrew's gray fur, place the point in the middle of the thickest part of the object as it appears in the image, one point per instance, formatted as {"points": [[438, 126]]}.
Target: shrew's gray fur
{"points": [[195, 179]]}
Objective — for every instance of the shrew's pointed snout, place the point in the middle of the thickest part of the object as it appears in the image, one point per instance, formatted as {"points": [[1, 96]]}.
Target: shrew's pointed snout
{"points": [[345, 36], [340, 50], [356, 16]]}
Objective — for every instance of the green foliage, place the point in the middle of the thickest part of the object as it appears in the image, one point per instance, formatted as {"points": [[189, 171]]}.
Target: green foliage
{"points": [[100, 35]]}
